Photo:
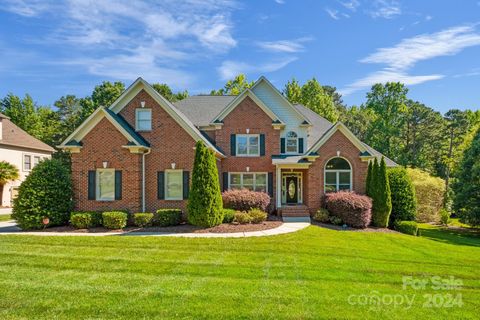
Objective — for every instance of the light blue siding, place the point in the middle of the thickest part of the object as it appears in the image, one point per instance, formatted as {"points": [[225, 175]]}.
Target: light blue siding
{"points": [[280, 107]]}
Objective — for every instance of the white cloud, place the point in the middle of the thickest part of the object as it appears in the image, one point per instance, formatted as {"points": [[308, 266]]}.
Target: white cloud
{"points": [[472, 73], [386, 9], [351, 5], [400, 58], [288, 46], [26, 8], [230, 69], [280, 1], [332, 13]]}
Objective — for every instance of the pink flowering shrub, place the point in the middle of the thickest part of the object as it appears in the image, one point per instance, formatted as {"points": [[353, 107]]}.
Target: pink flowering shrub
{"points": [[244, 200], [355, 210]]}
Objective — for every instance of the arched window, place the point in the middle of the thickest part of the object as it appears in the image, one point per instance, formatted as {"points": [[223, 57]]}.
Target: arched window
{"points": [[338, 175], [292, 142]]}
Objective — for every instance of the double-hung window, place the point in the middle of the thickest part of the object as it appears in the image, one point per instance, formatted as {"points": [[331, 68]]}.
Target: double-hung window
{"points": [[36, 160], [292, 142], [143, 119], [248, 145], [250, 181], [27, 162], [173, 185], [105, 184]]}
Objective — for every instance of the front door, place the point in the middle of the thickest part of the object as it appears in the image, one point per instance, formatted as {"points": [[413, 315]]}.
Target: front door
{"points": [[292, 189]]}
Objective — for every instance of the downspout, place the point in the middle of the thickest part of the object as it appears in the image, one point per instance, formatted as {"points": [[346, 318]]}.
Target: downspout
{"points": [[143, 178]]}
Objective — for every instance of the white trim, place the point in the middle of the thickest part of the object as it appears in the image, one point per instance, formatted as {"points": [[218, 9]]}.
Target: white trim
{"points": [[139, 110], [337, 171], [343, 129], [97, 184], [254, 179], [248, 145], [166, 183]]}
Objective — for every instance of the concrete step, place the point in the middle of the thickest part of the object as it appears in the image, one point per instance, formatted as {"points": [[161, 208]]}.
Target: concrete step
{"points": [[295, 211], [296, 219]]}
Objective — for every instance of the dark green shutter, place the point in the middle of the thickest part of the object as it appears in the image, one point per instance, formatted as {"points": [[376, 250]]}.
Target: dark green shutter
{"points": [[225, 181], [233, 144], [118, 185], [282, 145], [161, 185], [300, 145], [91, 185], [186, 184], [270, 184], [262, 144]]}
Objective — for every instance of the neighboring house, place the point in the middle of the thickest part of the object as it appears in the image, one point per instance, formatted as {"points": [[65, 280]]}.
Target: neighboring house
{"points": [[22, 150], [138, 153]]}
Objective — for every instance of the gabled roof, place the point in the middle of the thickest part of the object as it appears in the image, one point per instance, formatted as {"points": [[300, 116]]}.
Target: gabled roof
{"points": [[201, 110], [329, 133], [238, 99], [13, 136]]}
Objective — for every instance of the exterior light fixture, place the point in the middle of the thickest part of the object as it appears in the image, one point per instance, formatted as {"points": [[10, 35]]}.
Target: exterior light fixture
{"points": [[248, 131], [248, 169], [142, 103], [105, 164], [173, 164], [338, 153]]}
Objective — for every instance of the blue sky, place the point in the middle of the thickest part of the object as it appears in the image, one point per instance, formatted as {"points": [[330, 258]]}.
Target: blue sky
{"points": [[53, 48]]}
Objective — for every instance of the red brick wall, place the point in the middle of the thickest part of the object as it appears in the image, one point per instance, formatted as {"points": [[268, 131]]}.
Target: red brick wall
{"points": [[104, 143], [169, 142], [338, 142], [248, 115]]}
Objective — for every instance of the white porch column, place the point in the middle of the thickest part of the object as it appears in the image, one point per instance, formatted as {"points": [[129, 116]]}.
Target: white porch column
{"points": [[279, 186]]}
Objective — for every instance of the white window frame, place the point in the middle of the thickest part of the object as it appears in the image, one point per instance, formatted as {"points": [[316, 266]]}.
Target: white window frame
{"points": [[296, 142], [97, 184], [167, 172], [337, 177], [139, 110], [23, 162], [254, 179], [248, 154]]}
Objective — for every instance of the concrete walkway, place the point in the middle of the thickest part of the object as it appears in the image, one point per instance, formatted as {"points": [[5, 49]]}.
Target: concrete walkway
{"points": [[5, 211], [10, 227]]}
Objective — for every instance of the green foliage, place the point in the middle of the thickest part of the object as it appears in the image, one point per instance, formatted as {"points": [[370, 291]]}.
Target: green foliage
{"points": [[205, 207], [322, 215], [336, 220], [143, 219], [81, 220], [8, 172], [234, 86], [407, 227], [404, 201], [242, 217], [467, 187], [167, 217], [95, 217], [46, 192], [168, 94], [368, 181], [379, 191], [444, 216], [228, 215], [359, 120], [430, 193], [257, 215], [114, 219]]}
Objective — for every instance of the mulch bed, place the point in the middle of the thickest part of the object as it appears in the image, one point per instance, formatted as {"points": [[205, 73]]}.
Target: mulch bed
{"points": [[182, 228], [340, 228]]}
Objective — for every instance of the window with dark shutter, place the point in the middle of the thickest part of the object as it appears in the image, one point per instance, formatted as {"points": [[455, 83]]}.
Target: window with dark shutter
{"points": [[91, 185], [225, 181], [300, 145], [118, 185], [282, 145], [161, 185], [233, 145], [262, 144], [186, 184]]}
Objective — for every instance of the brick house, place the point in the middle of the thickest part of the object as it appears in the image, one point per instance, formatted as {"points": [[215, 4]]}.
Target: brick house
{"points": [[138, 153]]}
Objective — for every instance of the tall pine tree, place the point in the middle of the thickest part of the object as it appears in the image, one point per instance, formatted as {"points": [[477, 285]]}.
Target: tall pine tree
{"points": [[382, 202], [369, 178]]}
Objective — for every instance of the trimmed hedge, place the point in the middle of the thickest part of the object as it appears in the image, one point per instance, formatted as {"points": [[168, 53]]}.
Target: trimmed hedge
{"points": [[114, 219], [167, 217], [242, 217], [45, 193], [228, 215], [430, 192], [95, 217], [355, 210], [142, 219], [245, 200], [81, 220], [257, 215], [404, 201], [322, 215], [407, 227]]}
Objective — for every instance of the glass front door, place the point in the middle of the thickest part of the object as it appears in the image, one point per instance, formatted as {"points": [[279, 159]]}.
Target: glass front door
{"points": [[292, 189]]}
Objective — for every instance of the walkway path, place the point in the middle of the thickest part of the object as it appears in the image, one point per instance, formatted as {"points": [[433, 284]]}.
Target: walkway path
{"points": [[10, 227]]}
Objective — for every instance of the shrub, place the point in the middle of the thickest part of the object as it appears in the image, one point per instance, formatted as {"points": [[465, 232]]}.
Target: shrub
{"points": [[322, 215], [46, 192], [142, 219], [336, 220], [205, 207], [245, 200], [242, 217], [257, 215], [444, 216], [114, 219], [404, 201], [430, 192], [407, 227], [81, 220], [95, 217], [355, 210], [168, 217], [379, 191], [228, 215]]}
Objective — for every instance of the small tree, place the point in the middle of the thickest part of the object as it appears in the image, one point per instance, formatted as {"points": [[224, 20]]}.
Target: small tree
{"points": [[205, 207], [369, 178], [45, 193], [467, 187], [404, 201], [8, 172], [380, 194]]}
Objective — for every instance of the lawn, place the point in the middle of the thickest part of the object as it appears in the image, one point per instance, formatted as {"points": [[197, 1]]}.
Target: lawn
{"points": [[314, 273], [5, 217]]}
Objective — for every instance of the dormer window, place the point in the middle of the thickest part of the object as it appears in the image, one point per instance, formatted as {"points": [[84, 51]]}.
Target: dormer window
{"points": [[291, 142], [143, 119]]}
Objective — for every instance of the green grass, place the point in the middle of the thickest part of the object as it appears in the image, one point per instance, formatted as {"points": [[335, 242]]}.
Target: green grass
{"points": [[454, 234], [5, 217], [309, 274]]}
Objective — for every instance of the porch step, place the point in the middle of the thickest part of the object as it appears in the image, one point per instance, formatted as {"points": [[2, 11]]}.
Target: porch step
{"points": [[294, 211]]}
